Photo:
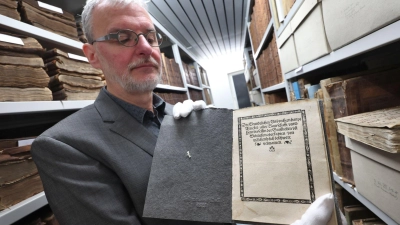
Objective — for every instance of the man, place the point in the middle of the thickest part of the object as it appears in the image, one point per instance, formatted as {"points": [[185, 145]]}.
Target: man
{"points": [[95, 164]]}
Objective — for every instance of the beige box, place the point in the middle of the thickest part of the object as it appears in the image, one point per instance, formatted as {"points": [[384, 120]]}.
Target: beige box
{"points": [[310, 39], [348, 20], [288, 56], [377, 176], [305, 8]]}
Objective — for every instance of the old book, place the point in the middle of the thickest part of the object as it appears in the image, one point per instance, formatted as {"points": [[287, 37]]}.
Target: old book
{"points": [[211, 166], [49, 20], [22, 61], [99, 77], [64, 16], [275, 97], [76, 81], [72, 65], [67, 94], [13, 193], [368, 221], [31, 45], [9, 8], [23, 76], [380, 129], [356, 212], [15, 161], [24, 94], [376, 89]]}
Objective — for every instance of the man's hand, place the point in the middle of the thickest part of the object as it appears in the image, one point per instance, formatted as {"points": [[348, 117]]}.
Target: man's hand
{"points": [[185, 108], [319, 212]]}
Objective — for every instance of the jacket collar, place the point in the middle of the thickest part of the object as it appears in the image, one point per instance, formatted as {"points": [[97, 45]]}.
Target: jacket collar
{"points": [[124, 125]]}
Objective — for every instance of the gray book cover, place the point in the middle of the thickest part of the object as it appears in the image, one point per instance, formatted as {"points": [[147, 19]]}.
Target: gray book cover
{"points": [[191, 175]]}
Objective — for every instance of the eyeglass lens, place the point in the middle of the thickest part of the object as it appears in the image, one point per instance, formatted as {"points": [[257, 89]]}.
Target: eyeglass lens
{"points": [[129, 38]]}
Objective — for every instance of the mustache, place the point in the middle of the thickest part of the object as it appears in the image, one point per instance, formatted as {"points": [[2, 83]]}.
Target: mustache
{"points": [[143, 61]]}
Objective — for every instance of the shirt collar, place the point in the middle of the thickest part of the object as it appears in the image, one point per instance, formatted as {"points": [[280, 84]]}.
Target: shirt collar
{"points": [[137, 112]]}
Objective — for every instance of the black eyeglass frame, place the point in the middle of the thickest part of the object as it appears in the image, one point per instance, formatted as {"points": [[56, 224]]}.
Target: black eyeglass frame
{"points": [[114, 36]]}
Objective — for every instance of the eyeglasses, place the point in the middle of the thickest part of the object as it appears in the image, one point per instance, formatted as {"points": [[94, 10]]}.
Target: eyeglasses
{"points": [[129, 38]]}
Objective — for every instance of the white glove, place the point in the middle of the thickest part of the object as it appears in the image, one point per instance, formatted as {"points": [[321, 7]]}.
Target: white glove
{"points": [[185, 108], [319, 212]]}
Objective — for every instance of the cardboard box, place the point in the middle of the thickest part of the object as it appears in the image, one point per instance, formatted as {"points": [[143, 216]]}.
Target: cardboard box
{"points": [[310, 39], [348, 20], [305, 8], [288, 56], [377, 176]]}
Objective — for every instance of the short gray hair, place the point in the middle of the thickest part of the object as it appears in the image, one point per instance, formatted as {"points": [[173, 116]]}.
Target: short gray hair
{"points": [[87, 13]]}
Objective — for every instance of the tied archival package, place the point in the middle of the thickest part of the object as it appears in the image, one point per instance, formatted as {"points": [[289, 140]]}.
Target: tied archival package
{"points": [[263, 164]]}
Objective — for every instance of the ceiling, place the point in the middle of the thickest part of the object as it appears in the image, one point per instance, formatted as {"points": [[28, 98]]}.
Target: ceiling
{"points": [[206, 28]]}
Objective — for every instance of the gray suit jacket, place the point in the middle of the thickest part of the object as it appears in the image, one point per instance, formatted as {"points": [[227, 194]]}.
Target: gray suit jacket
{"points": [[95, 166]]}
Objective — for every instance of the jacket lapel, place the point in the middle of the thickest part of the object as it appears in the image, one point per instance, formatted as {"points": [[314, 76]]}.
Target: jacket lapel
{"points": [[123, 124]]}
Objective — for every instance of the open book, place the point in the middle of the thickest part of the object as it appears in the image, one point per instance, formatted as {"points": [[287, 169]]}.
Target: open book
{"points": [[264, 164]]}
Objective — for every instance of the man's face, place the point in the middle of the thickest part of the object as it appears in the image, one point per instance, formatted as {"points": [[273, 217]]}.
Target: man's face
{"points": [[134, 69]]}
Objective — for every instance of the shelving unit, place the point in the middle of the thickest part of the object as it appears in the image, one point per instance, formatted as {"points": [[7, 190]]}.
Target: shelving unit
{"points": [[42, 106], [22, 209], [379, 38], [343, 58], [256, 53], [364, 201], [44, 111]]}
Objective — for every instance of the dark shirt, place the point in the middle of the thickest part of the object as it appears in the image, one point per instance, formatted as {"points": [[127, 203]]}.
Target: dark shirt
{"points": [[152, 121]]}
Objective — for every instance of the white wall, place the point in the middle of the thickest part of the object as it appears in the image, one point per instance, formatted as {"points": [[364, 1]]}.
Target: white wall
{"points": [[217, 71]]}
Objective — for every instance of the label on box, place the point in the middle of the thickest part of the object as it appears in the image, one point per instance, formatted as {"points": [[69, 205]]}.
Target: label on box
{"points": [[77, 57], [11, 39], [50, 7], [25, 142]]}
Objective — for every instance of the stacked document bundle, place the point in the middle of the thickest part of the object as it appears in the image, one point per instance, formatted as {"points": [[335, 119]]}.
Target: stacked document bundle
{"points": [[72, 77], [48, 18], [9, 8], [19, 178], [171, 73], [22, 73], [380, 128], [190, 74], [81, 35]]}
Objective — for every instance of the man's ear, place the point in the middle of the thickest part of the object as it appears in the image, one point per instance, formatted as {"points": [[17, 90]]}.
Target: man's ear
{"points": [[91, 55]]}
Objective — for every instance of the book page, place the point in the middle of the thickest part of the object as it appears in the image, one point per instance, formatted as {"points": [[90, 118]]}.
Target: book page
{"points": [[389, 118], [279, 162]]}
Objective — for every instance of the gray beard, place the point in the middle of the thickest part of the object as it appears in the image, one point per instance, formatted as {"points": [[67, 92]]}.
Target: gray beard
{"points": [[131, 85]]}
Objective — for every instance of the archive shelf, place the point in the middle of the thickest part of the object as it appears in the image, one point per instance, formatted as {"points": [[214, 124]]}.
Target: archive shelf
{"points": [[17, 115], [377, 39], [22, 209], [41, 106], [364, 201], [268, 32], [51, 39], [273, 88], [194, 87]]}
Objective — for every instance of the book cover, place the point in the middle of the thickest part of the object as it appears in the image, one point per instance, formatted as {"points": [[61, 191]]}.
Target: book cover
{"points": [[264, 164]]}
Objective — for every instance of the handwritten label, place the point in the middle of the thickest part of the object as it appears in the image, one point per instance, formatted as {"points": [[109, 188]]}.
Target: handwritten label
{"points": [[11, 39], [50, 7], [387, 189], [77, 57]]}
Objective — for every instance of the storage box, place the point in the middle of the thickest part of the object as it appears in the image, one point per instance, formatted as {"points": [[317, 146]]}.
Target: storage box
{"points": [[288, 56], [348, 20], [377, 176], [310, 39]]}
